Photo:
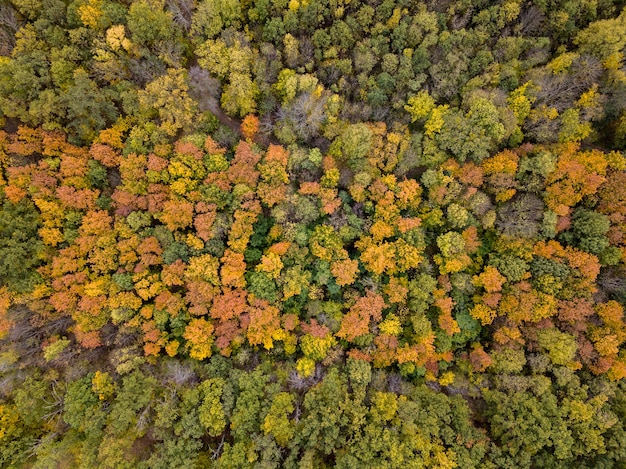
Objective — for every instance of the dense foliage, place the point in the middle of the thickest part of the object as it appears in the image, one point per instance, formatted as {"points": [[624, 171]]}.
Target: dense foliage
{"points": [[312, 234]]}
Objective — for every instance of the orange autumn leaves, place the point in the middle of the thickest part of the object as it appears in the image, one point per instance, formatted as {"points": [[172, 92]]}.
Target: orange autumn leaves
{"points": [[173, 245], [357, 321]]}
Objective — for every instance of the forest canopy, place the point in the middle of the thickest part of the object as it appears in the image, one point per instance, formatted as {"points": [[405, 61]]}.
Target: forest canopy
{"points": [[312, 233]]}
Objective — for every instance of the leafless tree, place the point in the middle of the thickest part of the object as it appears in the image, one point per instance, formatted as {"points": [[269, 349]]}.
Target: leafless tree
{"points": [[530, 21], [9, 25], [179, 373], [204, 88], [182, 12], [561, 90], [54, 401], [521, 216], [171, 53], [395, 383], [218, 451], [300, 384], [144, 71], [612, 283], [356, 111], [459, 21], [307, 49]]}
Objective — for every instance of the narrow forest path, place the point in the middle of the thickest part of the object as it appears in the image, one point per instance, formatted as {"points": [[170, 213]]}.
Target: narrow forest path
{"points": [[213, 105]]}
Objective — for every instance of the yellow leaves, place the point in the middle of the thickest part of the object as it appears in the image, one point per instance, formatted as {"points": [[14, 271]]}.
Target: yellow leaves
{"points": [[51, 236], [330, 178], [147, 285], [407, 256], [612, 313], [613, 61], [381, 230], [178, 169], [452, 265], [316, 348], [384, 406], [435, 122], [98, 287], [420, 105], [443, 459], [446, 378], [391, 325], [561, 63], [5, 300], [358, 192], [194, 242], [490, 279], [395, 18], [167, 95], [172, 348], [9, 421], [397, 289], [594, 161], [386, 257], [211, 412], [51, 211], [271, 264], [483, 313], [503, 196], [90, 13], [377, 258], [103, 385], [241, 230], [264, 324], [205, 268], [326, 244], [510, 11], [295, 280], [126, 300], [386, 210], [590, 98], [561, 346], [277, 422], [305, 367], [233, 269], [215, 57], [578, 411], [616, 159], [199, 336], [504, 162], [606, 343], [572, 129], [116, 38], [287, 84], [618, 369]]}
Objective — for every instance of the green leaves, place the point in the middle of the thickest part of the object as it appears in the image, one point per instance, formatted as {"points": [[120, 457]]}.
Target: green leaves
{"points": [[21, 249], [211, 412]]}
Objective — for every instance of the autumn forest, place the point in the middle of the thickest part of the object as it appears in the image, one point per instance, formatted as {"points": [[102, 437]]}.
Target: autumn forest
{"points": [[312, 234]]}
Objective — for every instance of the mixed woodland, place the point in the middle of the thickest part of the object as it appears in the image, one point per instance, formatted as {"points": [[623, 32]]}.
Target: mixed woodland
{"points": [[312, 234]]}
